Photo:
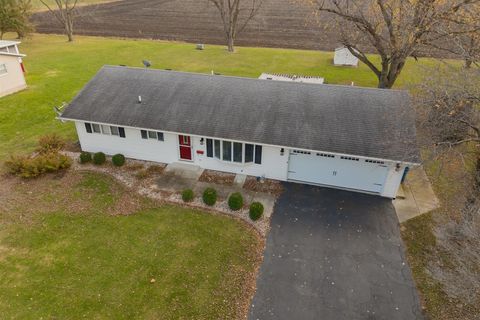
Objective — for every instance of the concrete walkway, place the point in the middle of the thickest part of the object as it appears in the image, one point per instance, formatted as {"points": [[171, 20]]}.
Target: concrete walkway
{"points": [[416, 196], [181, 176]]}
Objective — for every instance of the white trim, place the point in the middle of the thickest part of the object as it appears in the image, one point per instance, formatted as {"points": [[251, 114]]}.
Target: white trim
{"points": [[387, 161]]}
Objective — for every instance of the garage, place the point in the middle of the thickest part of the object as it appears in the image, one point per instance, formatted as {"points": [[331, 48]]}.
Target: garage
{"points": [[337, 171]]}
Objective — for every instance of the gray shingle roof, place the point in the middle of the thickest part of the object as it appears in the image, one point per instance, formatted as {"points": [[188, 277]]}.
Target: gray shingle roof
{"points": [[356, 121]]}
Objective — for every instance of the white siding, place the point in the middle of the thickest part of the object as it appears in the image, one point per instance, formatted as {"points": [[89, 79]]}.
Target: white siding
{"points": [[274, 166], [393, 181], [343, 57], [132, 146], [13, 80]]}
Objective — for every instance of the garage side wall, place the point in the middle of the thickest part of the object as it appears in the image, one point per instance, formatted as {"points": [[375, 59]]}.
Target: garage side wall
{"points": [[393, 181], [132, 146]]}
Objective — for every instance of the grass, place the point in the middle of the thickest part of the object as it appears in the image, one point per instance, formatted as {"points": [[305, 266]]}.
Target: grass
{"points": [[72, 257], [57, 70], [447, 175]]}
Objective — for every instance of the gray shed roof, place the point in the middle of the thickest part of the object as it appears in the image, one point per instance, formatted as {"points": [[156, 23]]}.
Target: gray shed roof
{"points": [[356, 121]]}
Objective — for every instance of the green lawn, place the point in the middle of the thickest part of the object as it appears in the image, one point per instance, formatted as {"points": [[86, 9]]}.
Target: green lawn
{"points": [[71, 257], [57, 70]]}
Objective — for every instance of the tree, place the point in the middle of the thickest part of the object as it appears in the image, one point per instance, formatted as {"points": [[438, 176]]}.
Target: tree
{"points": [[14, 17], [65, 13], [463, 35], [448, 108], [448, 114], [395, 29], [235, 15]]}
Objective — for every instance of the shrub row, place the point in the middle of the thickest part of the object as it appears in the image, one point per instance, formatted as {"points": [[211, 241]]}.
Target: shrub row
{"points": [[99, 158], [31, 167], [235, 201]]}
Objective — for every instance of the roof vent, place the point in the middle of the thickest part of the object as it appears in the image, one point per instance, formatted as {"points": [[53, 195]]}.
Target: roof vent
{"points": [[139, 99]]}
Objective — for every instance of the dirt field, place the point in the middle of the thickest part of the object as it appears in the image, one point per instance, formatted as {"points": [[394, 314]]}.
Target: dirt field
{"points": [[280, 23]]}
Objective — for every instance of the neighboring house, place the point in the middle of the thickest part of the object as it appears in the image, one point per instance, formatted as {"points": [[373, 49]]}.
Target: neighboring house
{"points": [[343, 57], [11, 68], [337, 136], [294, 78]]}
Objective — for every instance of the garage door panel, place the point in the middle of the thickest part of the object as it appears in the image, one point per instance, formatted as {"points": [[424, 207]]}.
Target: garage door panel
{"points": [[345, 172]]}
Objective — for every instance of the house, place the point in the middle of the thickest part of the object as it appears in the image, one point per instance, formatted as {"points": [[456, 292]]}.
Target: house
{"points": [[343, 57], [11, 68], [337, 136], [294, 78]]}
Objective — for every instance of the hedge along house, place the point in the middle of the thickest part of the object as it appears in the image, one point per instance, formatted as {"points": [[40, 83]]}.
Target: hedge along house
{"points": [[342, 137]]}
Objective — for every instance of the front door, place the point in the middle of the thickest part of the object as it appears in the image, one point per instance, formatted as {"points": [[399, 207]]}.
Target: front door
{"points": [[185, 143]]}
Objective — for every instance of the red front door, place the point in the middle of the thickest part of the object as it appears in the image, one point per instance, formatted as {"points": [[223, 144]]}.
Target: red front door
{"points": [[185, 143]]}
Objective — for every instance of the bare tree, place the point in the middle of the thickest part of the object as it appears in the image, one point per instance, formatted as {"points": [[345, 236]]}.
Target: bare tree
{"points": [[462, 33], [395, 29], [448, 108], [65, 13], [235, 15]]}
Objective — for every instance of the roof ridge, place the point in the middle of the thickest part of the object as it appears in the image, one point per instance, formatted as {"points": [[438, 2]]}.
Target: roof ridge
{"points": [[256, 79]]}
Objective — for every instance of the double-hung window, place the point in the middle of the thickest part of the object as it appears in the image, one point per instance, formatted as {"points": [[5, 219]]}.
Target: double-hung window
{"points": [[236, 152], [104, 129], [152, 135]]}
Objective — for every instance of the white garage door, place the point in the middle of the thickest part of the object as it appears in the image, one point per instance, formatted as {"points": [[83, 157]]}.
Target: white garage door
{"points": [[336, 171]]}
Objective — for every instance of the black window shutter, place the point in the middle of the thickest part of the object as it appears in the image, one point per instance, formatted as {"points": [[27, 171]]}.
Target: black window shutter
{"points": [[160, 136], [258, 154], [210, 148], [121, 131], [144, 134], [88, 126]]}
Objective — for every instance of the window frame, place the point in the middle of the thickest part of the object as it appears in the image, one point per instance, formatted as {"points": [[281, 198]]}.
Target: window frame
{"points": [[152, 135], [215, 149], [3, 69]]}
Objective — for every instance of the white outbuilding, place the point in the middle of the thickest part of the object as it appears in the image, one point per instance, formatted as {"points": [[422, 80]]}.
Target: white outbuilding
{"points": [[343, 57], [12, 77], [342, 137]]}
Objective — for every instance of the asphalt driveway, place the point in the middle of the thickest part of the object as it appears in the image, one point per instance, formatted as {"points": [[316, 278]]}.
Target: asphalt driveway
{"points": [[334, 255]]}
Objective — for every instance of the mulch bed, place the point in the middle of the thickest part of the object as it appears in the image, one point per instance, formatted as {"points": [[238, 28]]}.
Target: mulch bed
{"points": [[267, 186], [217, 177]]}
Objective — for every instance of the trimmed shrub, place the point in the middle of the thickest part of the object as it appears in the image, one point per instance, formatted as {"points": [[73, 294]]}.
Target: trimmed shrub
{"points": [[256, 211], [99, 158], [187, 195], [235, 201], [210, 196], [26, 167], [85, 157], [50, 143], [118, 160]]}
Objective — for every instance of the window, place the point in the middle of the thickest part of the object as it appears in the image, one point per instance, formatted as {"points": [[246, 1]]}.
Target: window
{"points": [[374, 161], [301, 152], [349, 158], [210, 148], [153, 135], [105, 129], [237, 152], [258, 154], [248, 153], [108, 130], [114, 131], [326, 155], [3, 69], [227, 150], [217, 149], [234, 151]]}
